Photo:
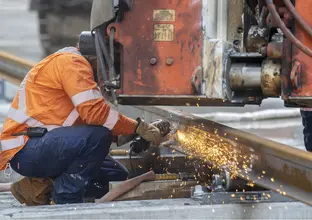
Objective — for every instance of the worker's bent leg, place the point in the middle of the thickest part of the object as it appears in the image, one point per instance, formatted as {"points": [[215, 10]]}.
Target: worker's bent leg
{"points": [[111, 170], [307, 130], [73, 156]]}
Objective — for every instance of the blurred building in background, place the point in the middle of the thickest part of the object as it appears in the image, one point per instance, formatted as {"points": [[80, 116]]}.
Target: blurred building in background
{"points": [[61, 21]]}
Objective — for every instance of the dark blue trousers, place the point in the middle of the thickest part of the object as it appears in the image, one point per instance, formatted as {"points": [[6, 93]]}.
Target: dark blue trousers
{"points": [[76, 158], [307, 129]]}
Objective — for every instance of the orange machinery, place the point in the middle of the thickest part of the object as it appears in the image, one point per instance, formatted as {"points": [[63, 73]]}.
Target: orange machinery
{"points": [[202, 52]]}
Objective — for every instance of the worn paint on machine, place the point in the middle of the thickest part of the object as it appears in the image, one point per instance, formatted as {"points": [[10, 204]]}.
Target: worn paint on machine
{"points": [[162, 47]]}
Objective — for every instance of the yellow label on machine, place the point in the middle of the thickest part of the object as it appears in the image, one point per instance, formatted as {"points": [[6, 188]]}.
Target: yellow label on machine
{"points": [[164, 15], [163, 32]]}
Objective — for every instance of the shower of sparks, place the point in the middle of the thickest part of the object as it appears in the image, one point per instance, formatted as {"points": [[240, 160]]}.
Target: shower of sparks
{"points": [[251, 184], [214, 149]]}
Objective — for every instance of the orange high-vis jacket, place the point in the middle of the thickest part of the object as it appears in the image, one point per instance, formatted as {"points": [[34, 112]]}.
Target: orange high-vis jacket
{"points": [[59, 91]]}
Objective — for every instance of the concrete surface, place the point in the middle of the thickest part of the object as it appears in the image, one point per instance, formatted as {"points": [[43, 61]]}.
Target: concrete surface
{"points": [[157, 190], [154, 209], [161, 209]]}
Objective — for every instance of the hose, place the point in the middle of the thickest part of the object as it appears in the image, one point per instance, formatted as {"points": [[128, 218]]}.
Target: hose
{"points": [[112, 74], [285, 30], [100, 56], [99, 42], [298, 17]]}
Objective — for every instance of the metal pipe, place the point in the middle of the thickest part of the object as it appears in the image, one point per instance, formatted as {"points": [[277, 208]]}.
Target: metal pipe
{"points": [[105, 52], [245, 76], [286, 31], [112, 74], [99, 55], [99, 44], [110, 66], [298, 17]]}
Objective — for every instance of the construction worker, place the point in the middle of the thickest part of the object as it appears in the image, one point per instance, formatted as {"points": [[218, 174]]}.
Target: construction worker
{"points": [[60, 94]]}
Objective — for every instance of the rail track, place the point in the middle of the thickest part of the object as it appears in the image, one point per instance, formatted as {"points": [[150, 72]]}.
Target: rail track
{"points": [[269, 164]]}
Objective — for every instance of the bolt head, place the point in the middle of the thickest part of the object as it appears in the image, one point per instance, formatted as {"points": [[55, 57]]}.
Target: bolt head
{"points": [[153, 61], [240, 30], [169, 61]]}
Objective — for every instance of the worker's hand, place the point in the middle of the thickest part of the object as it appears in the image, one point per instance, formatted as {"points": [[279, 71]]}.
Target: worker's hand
{"points": [[149, 132], [163, 126], [124, 139]]}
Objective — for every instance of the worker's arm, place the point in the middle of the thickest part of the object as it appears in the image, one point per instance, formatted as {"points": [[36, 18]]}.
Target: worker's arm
{"points": [[78, 82]]}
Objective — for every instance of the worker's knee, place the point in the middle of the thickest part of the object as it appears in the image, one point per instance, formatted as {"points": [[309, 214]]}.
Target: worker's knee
{"points": [[98, 142], [100, 135]]}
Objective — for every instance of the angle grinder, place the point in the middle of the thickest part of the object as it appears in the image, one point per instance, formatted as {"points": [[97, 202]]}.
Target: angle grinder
{"points": [[139, 145]]}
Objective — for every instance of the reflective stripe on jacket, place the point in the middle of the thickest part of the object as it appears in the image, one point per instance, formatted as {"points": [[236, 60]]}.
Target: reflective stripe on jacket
{"points": [[58, 91]]}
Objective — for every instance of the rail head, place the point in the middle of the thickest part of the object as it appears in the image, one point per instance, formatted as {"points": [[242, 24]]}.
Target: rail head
{"points": [[16, 60], [13, 68], [263, 162]]}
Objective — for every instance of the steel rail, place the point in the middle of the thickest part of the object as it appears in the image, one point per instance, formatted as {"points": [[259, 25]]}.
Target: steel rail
{"points": [[277, 166], [12, 68]]}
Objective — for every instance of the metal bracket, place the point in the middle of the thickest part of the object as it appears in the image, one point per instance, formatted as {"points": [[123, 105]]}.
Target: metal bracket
{"points": [[243, 197], [295, 76]]}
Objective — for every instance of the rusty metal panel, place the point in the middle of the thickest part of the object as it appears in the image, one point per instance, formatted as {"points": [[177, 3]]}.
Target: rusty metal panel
{"points": [[162, 46], [235, 24], [301, 73]]}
